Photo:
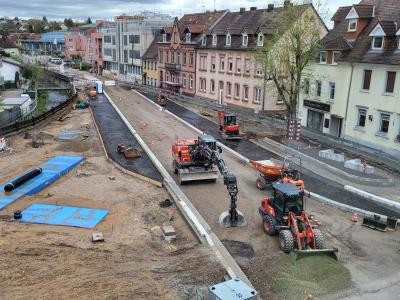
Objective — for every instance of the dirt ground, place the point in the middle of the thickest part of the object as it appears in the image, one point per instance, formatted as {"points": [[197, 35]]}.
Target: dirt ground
{"points": [[58, 262], [363, 253]]}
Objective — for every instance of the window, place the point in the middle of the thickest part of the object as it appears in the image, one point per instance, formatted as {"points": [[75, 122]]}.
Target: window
{"points": [[164, 38], [245, 39], [213, 63], [184, 58], [134, 39], [246, 92], [258, 95], [335, 57], [306, 86], [214, 40], [212, 86], [166, 56], [259, 70], [184, 80], [332, 87], [172, 56], [190, 82], [367, 80], [178, 57], [377, 42], [204, 41], [175, 38], [260, 40], [160, 56], [126, 56], [134, 54], [362, 115], [237, 90], [352, 25], [188, 37], [191, 58], [107, 39], [113, 40], [228, 39], [202, 84], [221, 63], [323, 57], [107, 52], [125, 40], [247, 65], [230, 64], [228, 89], [390, 81], [384, 125], [238, 65], [203, 63], [318, 85]]}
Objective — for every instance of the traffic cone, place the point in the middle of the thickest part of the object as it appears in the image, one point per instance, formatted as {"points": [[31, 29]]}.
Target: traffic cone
{"points": [[354, 218]]}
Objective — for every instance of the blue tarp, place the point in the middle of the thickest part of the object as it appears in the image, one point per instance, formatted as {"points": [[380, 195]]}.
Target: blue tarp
{"points": [[52, 170], [63, 215]]}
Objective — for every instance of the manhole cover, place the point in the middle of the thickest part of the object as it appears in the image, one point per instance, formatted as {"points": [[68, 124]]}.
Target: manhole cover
{"points": [[237, 248]]}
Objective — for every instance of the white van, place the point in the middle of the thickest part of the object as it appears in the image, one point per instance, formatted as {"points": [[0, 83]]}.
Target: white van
{"points": [[56, 60]]}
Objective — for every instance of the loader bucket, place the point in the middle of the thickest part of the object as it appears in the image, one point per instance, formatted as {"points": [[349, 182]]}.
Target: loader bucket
{"points": [[312, 252], [374, 223]]}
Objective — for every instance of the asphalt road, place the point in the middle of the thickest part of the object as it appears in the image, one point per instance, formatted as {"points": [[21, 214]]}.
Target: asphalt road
{"points": [[314, 183]]}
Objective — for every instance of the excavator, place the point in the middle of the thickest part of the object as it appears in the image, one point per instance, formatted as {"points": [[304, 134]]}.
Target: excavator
{"points": [[228, 126], [285, 214], [200, 159]]}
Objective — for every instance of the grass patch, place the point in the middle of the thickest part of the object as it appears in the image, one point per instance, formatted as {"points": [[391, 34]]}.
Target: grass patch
{"points": [[42, 101], [313, 275]]}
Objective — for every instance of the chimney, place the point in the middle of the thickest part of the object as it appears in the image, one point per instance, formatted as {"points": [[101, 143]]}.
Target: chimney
{"points": [[270, 7], [242, 10], [253, 8]]}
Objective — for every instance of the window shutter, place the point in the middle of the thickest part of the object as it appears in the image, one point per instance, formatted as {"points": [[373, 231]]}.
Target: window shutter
{"points": [[391, 78], [367, 79]]}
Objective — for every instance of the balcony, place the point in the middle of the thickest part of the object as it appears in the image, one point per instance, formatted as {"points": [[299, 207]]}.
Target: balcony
{"points": [[173, 67]]}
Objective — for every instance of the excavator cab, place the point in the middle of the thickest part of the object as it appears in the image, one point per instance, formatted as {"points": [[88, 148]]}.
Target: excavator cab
{"points": [[209, 141], [229, 119]]}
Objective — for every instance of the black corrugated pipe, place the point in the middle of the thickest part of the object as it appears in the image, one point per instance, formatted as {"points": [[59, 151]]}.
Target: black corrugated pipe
{"points": [[21, 180]]}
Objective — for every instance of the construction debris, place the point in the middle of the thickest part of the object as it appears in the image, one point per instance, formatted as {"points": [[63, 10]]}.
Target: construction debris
{"points": [[97, 237], [168, 232]]}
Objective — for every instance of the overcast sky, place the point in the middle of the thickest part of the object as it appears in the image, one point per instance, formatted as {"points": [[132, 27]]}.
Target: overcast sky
{"points": [[106, 9]]}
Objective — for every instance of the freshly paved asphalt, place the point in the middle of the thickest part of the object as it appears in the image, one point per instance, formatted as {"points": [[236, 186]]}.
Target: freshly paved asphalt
{"points": [[314, 183], [113, 132]]}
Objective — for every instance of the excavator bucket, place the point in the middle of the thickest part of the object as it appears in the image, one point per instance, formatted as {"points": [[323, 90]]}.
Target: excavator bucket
{"points": [[312, 252]]}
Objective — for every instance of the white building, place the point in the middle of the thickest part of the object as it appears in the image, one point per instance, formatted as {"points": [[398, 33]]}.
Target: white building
{"points": [[25, 103], [8, 68], [354, 93], [126, 40]]}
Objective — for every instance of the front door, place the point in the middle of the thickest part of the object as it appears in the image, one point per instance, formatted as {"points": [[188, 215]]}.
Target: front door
{"points": [[314, 120], [221, 92], [335, 127]]}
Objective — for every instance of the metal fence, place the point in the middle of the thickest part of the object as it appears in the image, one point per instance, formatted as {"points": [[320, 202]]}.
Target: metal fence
{"points": [[19, 125]]}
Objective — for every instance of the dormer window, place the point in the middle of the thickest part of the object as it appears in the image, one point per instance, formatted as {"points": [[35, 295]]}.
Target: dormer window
{"points": [[323, 55], [188, 37], [352, 25], [228, 39], [204, 41], [214, 40], [245, 39], [377, 42], [260, 40], [164, 38]]}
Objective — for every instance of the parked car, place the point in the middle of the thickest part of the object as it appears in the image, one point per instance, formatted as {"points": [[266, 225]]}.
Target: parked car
{"points": [[55, 60]]}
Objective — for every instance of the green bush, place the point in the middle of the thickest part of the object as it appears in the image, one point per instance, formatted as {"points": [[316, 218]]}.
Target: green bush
{"points": [[9, 84]]}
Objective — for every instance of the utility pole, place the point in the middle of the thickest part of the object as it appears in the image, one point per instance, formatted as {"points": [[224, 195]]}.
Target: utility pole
{"points": [[214, 5]]}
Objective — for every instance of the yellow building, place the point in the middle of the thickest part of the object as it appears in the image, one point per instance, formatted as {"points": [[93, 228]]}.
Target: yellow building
{"points": [[354, 91], [149, 65]]}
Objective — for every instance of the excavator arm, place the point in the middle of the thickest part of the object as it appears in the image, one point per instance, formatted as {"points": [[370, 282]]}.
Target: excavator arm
{"points": [[230, 181]]}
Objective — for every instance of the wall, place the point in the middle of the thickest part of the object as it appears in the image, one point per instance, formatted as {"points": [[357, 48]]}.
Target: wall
{"points": [[8, 71], [150, 68], [375, 101]]}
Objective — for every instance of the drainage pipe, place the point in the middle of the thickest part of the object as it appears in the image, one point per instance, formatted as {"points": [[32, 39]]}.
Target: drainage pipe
{"points": [[21, 180]]}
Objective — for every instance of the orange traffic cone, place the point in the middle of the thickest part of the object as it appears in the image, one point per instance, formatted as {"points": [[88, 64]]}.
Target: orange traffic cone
{"points": [[354, 218]]}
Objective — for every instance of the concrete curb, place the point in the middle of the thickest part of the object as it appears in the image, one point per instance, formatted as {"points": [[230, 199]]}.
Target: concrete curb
{"points": [[192, 216], [378, 199], [358, 179]]}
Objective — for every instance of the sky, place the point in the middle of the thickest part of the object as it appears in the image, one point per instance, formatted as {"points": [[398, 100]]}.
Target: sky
{"points": [[106, 9]]}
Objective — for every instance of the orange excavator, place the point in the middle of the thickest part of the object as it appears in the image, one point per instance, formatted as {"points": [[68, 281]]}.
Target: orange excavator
{"points": [[228, 126], [200, 159]]}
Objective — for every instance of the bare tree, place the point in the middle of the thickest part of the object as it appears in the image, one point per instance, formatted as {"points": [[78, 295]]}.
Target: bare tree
{"points": [[289, 50]]}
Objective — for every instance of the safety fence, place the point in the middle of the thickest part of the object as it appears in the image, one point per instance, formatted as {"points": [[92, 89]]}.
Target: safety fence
{"points": [[19, 125]]}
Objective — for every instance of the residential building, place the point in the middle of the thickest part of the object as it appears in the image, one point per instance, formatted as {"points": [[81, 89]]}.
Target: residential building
{"points": [[50, 43], [149, 64], [177, 50], [78, 43], [355, 93], [227, 71], [126, 40]]}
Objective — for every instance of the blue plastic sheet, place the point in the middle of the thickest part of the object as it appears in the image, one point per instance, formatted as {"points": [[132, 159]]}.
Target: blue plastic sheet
{"points": [[63, 215], [52, 170]]}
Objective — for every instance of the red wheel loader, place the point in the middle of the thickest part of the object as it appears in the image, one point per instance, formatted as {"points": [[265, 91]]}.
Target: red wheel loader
{"points": [[284, 214], [228, 126]]}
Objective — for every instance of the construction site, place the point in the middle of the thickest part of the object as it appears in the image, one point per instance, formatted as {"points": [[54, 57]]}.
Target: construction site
{"points": [[163, 199]]}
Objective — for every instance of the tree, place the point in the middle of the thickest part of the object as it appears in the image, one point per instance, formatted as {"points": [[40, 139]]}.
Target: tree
{"points": [[16, 79], [69, 23], [287, 53], [89, 21]]}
